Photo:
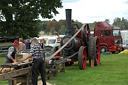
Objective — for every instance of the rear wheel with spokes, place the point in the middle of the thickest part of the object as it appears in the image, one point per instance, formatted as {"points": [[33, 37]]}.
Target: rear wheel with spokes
{"points": [[96, 50]]}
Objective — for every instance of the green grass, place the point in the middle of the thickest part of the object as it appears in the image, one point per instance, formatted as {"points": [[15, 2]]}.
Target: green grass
{"points": [[2, 58], [112, 71], [5, 44], [4, 83]]}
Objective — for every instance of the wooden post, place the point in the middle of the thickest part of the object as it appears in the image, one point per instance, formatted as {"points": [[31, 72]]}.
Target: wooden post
{"points": [[92, 63], [13, 81], [10, 82], [63, 68], [28, 79]]}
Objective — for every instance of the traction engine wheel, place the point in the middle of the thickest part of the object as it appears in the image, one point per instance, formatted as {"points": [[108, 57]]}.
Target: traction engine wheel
{"points": [[55, 73], [82, 57], [86, 33], [96, 50], [90, 50]]}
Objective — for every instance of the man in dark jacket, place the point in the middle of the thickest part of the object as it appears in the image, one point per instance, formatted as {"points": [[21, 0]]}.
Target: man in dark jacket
{"points": [[10, 58], [27, 43], [38, 62]]}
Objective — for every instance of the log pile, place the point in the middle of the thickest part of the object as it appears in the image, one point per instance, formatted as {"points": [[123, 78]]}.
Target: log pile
{"points": [[6, 70]]}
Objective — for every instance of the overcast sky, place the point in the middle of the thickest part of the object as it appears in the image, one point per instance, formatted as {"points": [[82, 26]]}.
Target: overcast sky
{"points": [[88, 11]]}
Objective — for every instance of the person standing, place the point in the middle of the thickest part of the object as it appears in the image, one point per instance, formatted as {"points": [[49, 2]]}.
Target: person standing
{"points": [[27, 44], [22, 46], [10, 58], [38, 62], [42, 43]]}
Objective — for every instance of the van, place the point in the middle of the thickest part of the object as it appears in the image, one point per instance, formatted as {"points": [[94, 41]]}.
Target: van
{"points": [[53, 41]]}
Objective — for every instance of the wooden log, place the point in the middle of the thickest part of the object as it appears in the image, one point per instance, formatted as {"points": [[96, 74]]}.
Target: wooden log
{"points": [[6, 70], [10, 75], [1, 70], [12, 69], [92, 63]]}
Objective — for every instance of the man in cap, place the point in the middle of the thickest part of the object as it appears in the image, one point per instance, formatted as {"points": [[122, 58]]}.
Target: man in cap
{"points": [[38, 62], [10, 58]]}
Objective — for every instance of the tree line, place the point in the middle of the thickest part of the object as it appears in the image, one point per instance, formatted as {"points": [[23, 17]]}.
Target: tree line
{"points": [[49, 27], [21, 18]]}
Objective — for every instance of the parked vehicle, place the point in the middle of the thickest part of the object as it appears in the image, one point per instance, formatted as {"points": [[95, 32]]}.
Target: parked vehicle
{"points": [[53, 41], [43, 37], [124, 34], [110, 37]]}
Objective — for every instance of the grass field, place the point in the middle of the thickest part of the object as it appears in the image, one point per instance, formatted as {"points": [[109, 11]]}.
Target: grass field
{"points": [[2, 59], [5, 44], [112, 71]]}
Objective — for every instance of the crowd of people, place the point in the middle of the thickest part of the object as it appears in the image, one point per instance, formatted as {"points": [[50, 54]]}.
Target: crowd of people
{"points": [[24, 46], [35, 51]]}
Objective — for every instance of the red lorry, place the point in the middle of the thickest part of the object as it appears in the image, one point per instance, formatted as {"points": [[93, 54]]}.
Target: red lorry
{"points": [[110, 37]]}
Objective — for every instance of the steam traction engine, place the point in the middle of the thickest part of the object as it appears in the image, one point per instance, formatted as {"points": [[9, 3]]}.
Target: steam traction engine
{"points": [[78, 45]]}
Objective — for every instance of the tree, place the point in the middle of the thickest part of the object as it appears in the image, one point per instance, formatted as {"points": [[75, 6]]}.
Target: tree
{"points": [[117, 22], [107, 20], [62, 22], [122, 23], [43, 25], [52, 31], [78, 23], [21, 17], [52, 24], [62, 30], [92, 25]]}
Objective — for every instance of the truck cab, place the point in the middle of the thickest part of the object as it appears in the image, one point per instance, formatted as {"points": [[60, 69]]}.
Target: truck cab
{"points": [[110, 37]]}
